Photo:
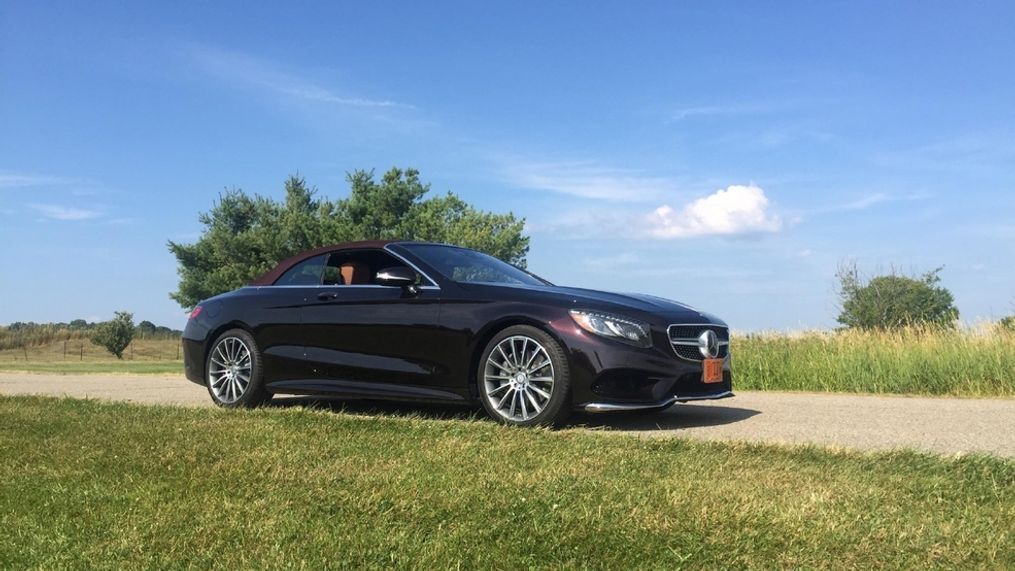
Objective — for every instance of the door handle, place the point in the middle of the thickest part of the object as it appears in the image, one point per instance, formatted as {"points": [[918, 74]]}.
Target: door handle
{"points": [[327, 295]]}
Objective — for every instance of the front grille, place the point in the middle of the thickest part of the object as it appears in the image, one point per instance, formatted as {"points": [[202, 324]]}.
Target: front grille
{"points": [[684, 339]]}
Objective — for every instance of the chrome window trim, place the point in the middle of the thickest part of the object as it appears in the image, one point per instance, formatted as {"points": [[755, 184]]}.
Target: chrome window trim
{"points": [[385, 249], [343, 286]]}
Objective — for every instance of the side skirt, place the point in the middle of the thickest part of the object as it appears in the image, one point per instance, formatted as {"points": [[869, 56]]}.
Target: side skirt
{"points": [[361, 389]]}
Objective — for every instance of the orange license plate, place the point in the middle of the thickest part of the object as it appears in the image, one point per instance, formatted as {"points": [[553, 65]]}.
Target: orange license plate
{"points": [[711, 371]]}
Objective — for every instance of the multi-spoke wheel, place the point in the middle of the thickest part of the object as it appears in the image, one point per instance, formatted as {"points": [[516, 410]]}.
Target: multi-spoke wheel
{"points": [[234, 371], [523, 377], [229, 371]]}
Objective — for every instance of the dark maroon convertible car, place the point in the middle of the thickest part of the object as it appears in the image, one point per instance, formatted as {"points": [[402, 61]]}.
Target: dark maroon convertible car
{"points": [[437, 323]]}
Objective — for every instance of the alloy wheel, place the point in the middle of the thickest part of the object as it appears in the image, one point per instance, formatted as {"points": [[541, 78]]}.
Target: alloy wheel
{"points": [[229, 369], [518, 378]]}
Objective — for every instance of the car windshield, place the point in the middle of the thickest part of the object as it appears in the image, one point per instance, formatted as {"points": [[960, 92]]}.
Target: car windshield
{"points": [[463, 265]]}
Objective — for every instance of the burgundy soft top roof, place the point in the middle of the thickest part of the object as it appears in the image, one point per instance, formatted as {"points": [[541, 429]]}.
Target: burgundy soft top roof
{"points": [[273, 274]]}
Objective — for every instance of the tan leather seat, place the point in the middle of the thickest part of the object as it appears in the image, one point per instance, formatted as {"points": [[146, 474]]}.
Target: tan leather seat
{"points": [[355, 273]]}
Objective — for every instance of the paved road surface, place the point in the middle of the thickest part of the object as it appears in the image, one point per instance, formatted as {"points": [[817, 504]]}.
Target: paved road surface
{"points": [[942, 425]]}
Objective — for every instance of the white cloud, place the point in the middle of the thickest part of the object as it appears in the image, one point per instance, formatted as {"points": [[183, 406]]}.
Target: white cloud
{"points": [[865, 202], [20, 180], [869, 201], [702, 111], [735, 210], [59, 212], [253, 72], [730, 211], [689, 112], [983, 154], [588, 180]]}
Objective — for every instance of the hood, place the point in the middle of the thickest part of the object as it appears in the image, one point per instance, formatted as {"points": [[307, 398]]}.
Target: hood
{"points": [[621, 303]]}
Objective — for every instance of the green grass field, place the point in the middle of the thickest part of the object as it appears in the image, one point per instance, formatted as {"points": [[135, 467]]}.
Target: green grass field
{"points": [[974, 363], [115, 485]]}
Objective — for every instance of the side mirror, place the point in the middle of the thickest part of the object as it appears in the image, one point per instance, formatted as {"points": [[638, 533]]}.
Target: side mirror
{"points": [[398, 276]]}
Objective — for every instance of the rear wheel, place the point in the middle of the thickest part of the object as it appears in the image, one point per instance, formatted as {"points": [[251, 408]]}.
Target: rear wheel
{"points": [[524, 379], [233, 371]]}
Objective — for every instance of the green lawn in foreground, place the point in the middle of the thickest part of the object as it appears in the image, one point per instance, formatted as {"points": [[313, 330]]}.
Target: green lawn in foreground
{"points": [[117, 485]]}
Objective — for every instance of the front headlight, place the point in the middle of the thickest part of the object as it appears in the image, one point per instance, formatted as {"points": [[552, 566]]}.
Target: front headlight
{"points": [[613, 327]]}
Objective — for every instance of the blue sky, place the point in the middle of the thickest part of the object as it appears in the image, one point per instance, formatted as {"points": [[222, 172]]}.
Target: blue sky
{"points": [[729, 155]]}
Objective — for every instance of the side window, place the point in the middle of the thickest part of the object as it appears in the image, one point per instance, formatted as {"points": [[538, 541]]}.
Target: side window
{"points": [[305, 273], [332, 275], [357, 267]]}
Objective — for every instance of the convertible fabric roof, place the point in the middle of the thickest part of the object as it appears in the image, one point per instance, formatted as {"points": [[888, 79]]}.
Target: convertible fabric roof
{"points": [[273, 274]]}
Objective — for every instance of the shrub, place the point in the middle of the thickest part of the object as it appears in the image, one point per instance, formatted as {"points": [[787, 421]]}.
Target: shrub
{"points": [[894, 301], [115, 335], [1008, 323]]}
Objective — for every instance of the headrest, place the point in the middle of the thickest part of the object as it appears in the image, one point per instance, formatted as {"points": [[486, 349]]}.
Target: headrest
{"points": [[355, 273]]}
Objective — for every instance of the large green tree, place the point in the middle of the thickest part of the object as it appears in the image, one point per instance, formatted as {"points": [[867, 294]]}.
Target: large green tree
{"points": [[893, 301], [244, 235]]}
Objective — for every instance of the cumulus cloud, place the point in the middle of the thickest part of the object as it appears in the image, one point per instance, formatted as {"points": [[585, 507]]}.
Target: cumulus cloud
{"points": [[733, 210]]}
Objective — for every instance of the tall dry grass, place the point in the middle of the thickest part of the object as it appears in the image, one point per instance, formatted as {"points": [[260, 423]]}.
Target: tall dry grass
{"points": [[976, 361], [57, 342]]}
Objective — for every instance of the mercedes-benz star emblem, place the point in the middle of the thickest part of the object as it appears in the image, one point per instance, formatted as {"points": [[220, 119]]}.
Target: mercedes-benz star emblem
{"points": [[708, 344]]}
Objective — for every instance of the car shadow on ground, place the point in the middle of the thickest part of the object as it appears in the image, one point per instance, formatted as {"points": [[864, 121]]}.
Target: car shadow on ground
{"points": [[380, 408], [674, 418]]}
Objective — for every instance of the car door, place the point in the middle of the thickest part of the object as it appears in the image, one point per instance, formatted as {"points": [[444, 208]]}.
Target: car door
{"points": [[371, 339], [274, 315]]}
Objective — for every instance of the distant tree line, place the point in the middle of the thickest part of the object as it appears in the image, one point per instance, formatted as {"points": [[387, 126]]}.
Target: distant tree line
{"points": [[22, 334], [144, 329]]}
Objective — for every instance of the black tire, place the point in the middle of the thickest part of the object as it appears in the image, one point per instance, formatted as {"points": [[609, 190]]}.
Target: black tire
{"points": [[508, 374], [225, 369]]}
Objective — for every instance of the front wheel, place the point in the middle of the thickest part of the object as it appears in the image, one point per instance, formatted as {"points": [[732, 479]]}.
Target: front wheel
{"points": [[524, 378], [233, 371]]}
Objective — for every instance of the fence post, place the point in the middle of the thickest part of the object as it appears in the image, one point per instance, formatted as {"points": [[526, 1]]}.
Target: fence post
{"points": [[64, 349], [82, 351]]}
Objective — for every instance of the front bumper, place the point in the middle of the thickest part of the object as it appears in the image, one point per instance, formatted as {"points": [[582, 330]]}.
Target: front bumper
{"points": [[666, 403], [609, 376]]}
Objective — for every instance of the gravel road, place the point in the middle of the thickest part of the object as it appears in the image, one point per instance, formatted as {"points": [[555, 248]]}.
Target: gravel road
{"points": [[941, 425]]}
